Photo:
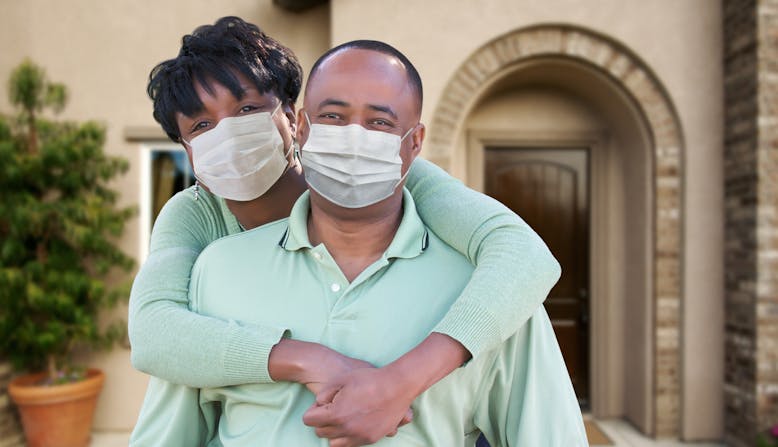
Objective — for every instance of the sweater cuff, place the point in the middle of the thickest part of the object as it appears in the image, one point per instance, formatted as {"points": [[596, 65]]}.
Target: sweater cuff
{"points": [[247, 352], [472, 325]]}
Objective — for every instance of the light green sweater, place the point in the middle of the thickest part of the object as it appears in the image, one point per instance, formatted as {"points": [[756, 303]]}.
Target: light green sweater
{"points": [[514, 273]]}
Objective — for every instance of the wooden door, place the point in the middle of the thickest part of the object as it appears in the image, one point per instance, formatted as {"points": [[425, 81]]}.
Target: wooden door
{"points": [[548, 188]]}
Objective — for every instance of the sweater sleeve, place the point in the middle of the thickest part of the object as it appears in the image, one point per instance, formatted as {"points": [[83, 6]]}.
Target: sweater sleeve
{"points": [[514, 269], [167, 338]]}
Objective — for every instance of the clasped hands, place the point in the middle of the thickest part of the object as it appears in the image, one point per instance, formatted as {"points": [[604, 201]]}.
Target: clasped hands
{"points": [[356, 403]]}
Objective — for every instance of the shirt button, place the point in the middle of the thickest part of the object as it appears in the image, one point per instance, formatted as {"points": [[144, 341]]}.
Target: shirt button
{"points": [[335, 287], [317, 256]]}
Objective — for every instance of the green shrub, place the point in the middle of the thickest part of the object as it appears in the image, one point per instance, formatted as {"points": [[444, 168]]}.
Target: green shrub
{"points": [[58, 226]]}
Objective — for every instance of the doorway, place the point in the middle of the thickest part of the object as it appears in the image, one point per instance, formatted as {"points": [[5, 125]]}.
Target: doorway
{"points": [[549, 189]]}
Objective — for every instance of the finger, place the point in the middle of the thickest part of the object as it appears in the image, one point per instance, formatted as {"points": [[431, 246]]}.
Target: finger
{"points": [[407, 419], [327, 394], [330, 432], [317, 416], [341, 442]]}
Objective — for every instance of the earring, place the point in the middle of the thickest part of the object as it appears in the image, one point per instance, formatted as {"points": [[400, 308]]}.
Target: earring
{"points": [[197, 190]]}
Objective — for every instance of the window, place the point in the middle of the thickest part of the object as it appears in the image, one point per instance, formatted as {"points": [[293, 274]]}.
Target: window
{"points": [[165, 170]]}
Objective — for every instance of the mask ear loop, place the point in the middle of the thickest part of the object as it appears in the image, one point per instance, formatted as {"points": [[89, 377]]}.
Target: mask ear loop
{"points": [[399, 182], [197, 182]]}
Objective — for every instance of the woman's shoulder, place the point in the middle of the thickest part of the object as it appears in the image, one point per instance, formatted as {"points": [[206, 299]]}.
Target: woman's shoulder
{"points": [[192, 204]]}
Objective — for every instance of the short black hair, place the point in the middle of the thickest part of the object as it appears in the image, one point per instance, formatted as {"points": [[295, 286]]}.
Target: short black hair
{"points": [[217, 52], [381, 47]]}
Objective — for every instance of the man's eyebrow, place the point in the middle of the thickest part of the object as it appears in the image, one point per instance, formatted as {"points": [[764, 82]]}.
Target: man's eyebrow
{"points": [[385, 109], [333, 102]]}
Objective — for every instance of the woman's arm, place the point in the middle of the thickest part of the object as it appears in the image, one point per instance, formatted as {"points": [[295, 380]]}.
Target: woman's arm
{"points": [[514, 270], [167, 338], [173, 343]]}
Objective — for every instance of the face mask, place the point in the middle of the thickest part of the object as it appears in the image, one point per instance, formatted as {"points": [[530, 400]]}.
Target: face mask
{"points": [[240, 158], [351, 166]]}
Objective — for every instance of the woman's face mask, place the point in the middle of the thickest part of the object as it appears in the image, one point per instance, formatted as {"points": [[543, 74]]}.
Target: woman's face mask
{"points": [[240, 158], [351, 166]]}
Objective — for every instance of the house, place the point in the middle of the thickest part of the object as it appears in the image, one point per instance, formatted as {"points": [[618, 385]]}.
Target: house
{"points": [[640, 139]]}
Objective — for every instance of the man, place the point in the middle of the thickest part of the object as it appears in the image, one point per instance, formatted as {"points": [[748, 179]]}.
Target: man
{"points": [[354, 268]]}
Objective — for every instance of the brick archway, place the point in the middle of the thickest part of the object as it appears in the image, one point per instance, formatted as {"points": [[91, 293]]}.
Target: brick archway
{"points": [[634, 78]]}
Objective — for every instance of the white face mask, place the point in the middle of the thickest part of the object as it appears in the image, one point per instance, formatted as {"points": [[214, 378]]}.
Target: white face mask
{"points": [[240, 158], [351, 166]]}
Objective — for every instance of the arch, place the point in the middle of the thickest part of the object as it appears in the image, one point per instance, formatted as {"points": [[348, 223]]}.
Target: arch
{"points": [[638, 82]]}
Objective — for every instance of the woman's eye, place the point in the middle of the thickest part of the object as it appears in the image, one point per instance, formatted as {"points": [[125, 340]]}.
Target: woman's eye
{"points": [[199, 126], [247, 109]]}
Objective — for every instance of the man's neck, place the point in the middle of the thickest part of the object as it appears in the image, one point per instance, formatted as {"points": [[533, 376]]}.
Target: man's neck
{"points": [[355, 238], [275, 204]]}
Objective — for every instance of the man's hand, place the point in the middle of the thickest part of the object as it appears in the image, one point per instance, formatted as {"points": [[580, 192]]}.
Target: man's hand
{"points": [[360, 407]]}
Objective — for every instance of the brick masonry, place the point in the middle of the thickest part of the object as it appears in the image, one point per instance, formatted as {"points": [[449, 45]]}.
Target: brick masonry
{"points": [[751, 207], [629, 72]]}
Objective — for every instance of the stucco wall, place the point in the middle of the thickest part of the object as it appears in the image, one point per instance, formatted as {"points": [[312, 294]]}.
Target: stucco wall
{"points": [[681, 43], [104, 50]]}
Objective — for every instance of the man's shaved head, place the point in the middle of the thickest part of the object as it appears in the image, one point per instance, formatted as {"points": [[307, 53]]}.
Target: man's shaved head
{"points": [[414, 80]]}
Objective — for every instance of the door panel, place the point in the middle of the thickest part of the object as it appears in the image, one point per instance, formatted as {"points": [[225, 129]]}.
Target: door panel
{"points": [[548, 188]]}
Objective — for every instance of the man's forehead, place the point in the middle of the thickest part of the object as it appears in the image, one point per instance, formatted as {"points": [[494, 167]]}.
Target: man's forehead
{"points": [[354, 62]]}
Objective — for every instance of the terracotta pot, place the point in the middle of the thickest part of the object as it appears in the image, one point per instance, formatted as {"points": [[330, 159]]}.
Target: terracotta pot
{"points": [[59, 415]]}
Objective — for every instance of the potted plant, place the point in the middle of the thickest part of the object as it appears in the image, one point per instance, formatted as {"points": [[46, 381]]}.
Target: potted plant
{"points": [[58, 223]]}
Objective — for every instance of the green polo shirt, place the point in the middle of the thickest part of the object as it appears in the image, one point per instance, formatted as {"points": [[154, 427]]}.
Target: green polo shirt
{"points": [[272, 275]]}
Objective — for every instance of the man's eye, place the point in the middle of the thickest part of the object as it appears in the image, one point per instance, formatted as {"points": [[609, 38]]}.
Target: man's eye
{"points": [[381, 124], [199, 126], [247, 109], [329, 118]]}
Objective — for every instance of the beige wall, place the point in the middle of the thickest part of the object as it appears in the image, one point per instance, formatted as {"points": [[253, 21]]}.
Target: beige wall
{"points": [[681, 43], [104, 50]]}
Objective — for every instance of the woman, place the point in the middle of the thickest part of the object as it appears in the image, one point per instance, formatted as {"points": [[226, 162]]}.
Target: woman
{"points": [[229, 70]]}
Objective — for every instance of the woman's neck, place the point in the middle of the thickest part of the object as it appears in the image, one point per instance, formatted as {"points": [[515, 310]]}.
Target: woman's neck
{"points": [[274, 204]]}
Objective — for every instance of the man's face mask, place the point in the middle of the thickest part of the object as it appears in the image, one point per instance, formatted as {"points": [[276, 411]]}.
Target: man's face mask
{"points": [[240, 158], [351, 166]]}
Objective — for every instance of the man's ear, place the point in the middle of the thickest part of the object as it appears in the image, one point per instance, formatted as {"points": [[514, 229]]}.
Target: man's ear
{"points": [[302, 126], [418, 138]]}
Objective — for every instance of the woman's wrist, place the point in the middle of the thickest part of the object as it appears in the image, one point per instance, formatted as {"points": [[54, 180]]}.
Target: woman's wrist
{"points": [[426, 364], [292, 360]]}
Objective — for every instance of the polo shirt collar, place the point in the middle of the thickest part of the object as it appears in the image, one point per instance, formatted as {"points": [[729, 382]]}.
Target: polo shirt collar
{"points": [[410, 240]]}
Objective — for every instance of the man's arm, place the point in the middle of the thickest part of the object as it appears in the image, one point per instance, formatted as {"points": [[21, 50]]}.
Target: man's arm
{"points": [[528, 397], [170, 417]]}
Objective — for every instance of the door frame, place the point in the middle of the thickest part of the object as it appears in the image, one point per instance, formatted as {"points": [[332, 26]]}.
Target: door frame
{"points": [[606, 358]]}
